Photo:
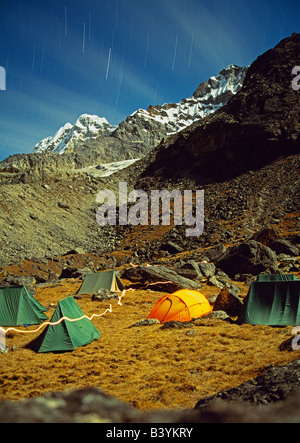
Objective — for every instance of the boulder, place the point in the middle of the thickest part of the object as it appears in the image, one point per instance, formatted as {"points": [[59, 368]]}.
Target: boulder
{"points": [[75, 251], [250, 257], [277, 383], [190, 270], [281, 246], [63, 205], [214, 281], [265, 235], [104, 294], [171, 247], [270, 238], [220, 315], [74, 272], [213, 253], [159, 278], [173, 324], [229, 302], [27, 281], [207, 269], [145, 322]]}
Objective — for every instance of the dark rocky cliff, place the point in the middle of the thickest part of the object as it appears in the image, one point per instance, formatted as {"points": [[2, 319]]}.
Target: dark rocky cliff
{"points": [[257, 126]]}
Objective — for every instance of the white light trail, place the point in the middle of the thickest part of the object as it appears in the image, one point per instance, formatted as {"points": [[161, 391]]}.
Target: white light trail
{"points": [[190, 56], [33, 60], [146, 54], [175, 51], [49, 323], [66, 21], [108, 63], [119, 89], [83, 38]]}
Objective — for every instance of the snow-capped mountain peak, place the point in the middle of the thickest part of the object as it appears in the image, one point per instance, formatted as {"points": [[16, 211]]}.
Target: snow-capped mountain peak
{"points": [[93, 122], [86, 127], [219, 89]]}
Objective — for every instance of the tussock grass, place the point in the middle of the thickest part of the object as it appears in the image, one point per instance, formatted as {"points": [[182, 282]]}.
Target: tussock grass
{"points": [[146, 366]]}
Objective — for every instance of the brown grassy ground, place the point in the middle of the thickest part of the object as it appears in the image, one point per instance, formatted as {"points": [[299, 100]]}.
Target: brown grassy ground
{"points": [[149, 367]]}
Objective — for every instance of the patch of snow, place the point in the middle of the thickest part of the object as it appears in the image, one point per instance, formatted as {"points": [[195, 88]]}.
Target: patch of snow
{"points": [[107, 169]]}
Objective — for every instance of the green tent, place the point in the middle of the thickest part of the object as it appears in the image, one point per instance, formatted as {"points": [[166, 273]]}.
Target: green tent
{"points": [[66, 335], [274, 301], [101, 280], [19, 307], [276, 277]]}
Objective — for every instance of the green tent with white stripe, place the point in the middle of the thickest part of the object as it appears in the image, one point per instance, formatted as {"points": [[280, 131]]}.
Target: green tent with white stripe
{"points": [[66, 335]]}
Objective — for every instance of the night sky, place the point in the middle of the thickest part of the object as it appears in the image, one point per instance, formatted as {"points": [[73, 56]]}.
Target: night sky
{"points": [[63, 58]]}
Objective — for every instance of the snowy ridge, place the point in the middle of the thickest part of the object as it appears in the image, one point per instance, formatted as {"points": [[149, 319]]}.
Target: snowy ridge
{"points": [[151, 125], [209, 96]]}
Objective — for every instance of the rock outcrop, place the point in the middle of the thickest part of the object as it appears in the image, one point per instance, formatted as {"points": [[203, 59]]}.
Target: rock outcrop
{"points": [[258, 125]]}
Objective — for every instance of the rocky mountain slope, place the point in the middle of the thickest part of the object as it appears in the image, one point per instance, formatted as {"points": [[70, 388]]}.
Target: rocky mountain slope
{"points": [[47, 216]]}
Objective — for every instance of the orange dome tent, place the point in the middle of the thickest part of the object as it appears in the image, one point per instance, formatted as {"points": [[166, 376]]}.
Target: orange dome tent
{"points": [[182, 305]]}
